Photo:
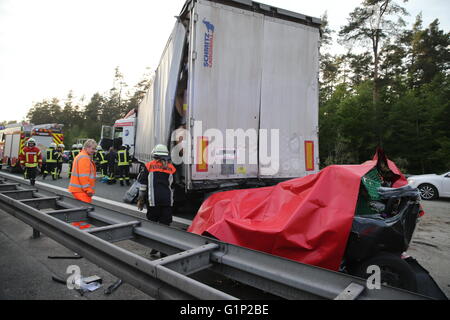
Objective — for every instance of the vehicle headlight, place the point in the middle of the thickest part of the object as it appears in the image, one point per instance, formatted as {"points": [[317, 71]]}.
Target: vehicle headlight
{"points": [[410, 181]]}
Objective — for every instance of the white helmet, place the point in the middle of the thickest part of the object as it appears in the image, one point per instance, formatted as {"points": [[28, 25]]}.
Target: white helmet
{"points": [[79, 146], [53, 145], [74, 146], [160, 151], [31, 140], [61, 146], [99, 147]]}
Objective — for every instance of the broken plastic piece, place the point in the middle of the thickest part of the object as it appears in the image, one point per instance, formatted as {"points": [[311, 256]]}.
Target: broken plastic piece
{"points": [[113, 287], [92, 279], [405, 191], [377, 206]]}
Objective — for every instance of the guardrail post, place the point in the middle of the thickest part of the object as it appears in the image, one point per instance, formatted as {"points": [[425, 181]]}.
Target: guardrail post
{"points": [[36, 234]]}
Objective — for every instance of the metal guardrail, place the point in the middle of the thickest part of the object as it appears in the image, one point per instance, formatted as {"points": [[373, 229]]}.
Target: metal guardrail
{"points": [[171, 277]]}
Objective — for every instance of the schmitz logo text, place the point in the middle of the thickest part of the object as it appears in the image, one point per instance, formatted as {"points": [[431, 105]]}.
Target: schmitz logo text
{"points": [[208, 45]]}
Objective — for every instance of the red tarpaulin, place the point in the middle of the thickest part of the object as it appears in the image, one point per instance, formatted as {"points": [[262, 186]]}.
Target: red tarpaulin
{"points": [[305, 219]]}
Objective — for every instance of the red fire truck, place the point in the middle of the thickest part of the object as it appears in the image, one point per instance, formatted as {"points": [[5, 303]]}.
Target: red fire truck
{"points": [[14, 137]]}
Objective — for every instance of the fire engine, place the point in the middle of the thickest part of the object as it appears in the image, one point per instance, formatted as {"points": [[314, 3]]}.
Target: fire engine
{"points": [[14, 137]]}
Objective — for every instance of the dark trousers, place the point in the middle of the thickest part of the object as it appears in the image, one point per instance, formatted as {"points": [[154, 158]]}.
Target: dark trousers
{"points": [[104, 169], [111, 172], [70, 169], [51, 168], [123, 173], [30, 173], [58, 169], [161, 214]]}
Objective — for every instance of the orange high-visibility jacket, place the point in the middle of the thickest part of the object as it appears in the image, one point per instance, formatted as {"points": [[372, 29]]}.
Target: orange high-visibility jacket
{"points": [[82, 178]]}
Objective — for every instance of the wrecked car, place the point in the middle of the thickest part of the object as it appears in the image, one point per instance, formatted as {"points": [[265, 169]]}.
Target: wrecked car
{"points": [[344, 218]]}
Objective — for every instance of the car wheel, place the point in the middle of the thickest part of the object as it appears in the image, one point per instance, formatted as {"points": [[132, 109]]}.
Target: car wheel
{"points": [[428, 191], [395, 272]]}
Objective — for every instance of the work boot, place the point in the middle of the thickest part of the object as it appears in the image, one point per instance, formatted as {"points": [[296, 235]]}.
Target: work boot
{"points": [[32, 182], [154, 252], [128, 182]]}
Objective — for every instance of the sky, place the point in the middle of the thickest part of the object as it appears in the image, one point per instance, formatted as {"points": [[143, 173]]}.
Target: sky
{"points": [[49, 47]]}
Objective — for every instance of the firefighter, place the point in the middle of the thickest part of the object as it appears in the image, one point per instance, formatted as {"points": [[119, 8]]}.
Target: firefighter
{"points": [[155, 189], [111, 158], [60, 159], [73, 153], [30, 159], [51, 162], [100, 157], [123, 165]]}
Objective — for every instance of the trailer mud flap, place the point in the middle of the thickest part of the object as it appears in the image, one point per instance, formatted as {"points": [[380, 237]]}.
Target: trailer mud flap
{"points": [[425, 283]]}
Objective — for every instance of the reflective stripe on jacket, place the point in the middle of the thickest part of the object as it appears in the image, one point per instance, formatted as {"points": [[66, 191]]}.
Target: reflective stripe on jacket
{"points": [[101, 157], [123, 158], [158, 183], [51, 155], [83, 173], [73, 154], [30, 157]]}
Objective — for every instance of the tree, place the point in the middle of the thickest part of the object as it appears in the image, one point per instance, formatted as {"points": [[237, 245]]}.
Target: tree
{"points": [[46, 111], [429, 53], [71, 115], [114, 107], [92, 116], [139, 91], [370, 24], [329, 68], [359, 67]]}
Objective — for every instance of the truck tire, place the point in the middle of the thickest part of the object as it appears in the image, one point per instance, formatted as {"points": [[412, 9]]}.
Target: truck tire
{"points": [[395, 272]]}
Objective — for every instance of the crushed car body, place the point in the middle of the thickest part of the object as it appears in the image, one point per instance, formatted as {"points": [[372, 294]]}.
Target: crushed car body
{"points": [[340, 218]]}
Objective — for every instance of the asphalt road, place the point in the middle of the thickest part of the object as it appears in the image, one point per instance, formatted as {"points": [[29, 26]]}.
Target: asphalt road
{"points": [[31, 279], [430, 244], [114, 192], [26, 271]]}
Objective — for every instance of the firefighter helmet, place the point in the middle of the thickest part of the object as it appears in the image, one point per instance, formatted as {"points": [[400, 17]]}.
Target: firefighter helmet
{"points": [[79, 146], [160, 151], [31, 141], [53, 145], [99, 147], [74, 146], [61, 146]]}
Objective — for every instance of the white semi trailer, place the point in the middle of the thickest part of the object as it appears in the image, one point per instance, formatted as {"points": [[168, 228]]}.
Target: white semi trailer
{"points": [[241, 78]]}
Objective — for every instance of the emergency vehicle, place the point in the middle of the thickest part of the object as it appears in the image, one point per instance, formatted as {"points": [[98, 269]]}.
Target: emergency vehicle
{"points": [[14, 137]]}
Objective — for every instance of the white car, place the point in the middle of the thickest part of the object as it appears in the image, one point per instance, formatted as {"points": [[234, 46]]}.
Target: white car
{"points": [[431, 186]]}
